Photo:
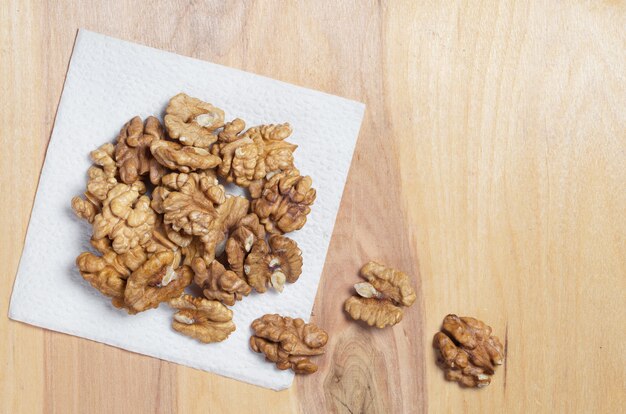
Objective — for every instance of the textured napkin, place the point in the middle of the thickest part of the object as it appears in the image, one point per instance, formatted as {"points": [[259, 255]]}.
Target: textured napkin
{"points": [[109, 81]]}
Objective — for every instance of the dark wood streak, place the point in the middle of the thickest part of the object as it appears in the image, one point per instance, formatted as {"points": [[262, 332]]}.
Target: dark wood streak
{"points": [[506, 354]]}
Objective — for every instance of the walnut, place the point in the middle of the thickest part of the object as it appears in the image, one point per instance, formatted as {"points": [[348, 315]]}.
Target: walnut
{"points": [[240, 161], [108, 273], [178, 237], [240, 241], [284, 202], [255, 154], [196, 205], [192, 121], [288, 342], [231, 131], [101, 180], [379, 300], [389, 283], [154, 241], [184, 159], [156, 281], [374, 312], [212, 243], [103, 157], [228, 214], [217, 283], [132, 152], [193, 250], [277, 153], [188, 201], [205, 320], [273, 263], [160, 240], [467, 351], [233, 209], [85, 208], [126, 217], [99, 183]]}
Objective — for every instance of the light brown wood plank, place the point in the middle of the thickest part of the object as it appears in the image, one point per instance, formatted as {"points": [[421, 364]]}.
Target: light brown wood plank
{"points": [[514, 181], [490, 166], [22, 138]]}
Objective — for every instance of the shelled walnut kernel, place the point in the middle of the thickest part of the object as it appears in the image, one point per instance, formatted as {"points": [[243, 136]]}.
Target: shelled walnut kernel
{"points": [[467, 351]]}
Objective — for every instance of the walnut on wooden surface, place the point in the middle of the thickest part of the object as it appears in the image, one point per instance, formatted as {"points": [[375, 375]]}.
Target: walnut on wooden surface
{"points": [[380, 298], [126, 217], [287, 342], [389, 283], [205, 320], [374, 312], [108, 272], [257, 153], [156, 281], [217, 283], [101, 178], [240, 241], [192, 121], [467, 351], [132, 151], [273, 263], [285, 201]]}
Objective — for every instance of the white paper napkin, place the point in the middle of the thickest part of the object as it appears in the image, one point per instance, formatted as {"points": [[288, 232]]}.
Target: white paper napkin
{"points": [[110, 81]]}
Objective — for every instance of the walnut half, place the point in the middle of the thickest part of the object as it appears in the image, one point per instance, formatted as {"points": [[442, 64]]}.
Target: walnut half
{"points": [[288, 342], [217, 283], [380, 298], [253, 155], [206, 320], [157, 280], [102, 178], [284, 201], [467, 351], [126, 217], [108, 273], [192, 121], [273, 263], [132, 151], [240, 241]]}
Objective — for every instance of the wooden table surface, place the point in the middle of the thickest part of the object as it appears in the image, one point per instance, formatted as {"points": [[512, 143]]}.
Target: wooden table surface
{"points": [[490, 166]]}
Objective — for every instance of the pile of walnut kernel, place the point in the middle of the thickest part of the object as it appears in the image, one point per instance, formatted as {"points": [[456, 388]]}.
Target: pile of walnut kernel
{"points": [[162, 220]]}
